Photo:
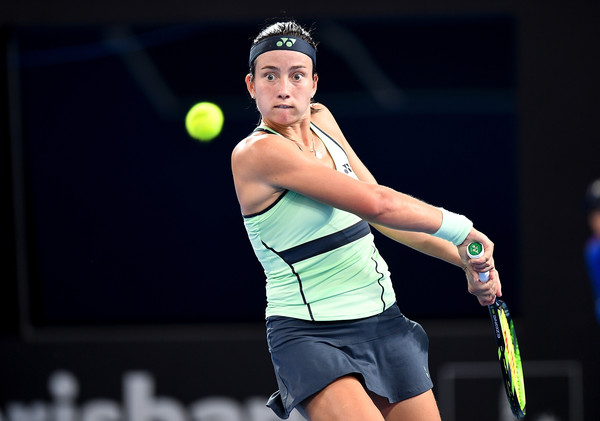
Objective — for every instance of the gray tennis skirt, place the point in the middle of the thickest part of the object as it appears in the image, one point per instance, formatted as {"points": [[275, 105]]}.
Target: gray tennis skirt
{"points": [[388, 353]]}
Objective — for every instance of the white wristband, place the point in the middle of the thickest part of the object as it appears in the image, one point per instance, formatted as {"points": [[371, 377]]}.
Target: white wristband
{"points": [[454, 228]]}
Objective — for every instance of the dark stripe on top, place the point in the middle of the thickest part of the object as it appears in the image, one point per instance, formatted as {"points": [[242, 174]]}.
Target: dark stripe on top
{"points": [[381, 276], [306, 303], [326, 243], [268, 207], [331, 138]]}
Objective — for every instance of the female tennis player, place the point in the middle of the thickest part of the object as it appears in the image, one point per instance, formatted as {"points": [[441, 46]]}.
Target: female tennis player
{"points": [[340, 346]]}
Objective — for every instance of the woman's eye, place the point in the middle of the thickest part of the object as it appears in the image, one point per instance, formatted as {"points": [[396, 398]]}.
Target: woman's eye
{"points": [[270, 77], [297, 76]]}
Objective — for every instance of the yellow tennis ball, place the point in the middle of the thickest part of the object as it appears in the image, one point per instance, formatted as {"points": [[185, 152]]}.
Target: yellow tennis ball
{"points": [[204, 121]]}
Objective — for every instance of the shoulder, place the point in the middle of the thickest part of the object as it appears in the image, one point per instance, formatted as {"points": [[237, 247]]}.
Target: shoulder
{"points": [[261, 153], [320, 113], [255, 170], [256, 144], [325, 120], [251, 142]]}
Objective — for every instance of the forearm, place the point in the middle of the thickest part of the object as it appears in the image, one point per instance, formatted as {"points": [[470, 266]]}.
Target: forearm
{"points": [[424, 243], [405, 213], [399, 211]]}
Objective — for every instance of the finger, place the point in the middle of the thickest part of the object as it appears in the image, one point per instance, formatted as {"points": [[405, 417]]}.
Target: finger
{"points": [[488, 250], [485, 265], [495, 279], [498, 289], [487, 299], [484, 290], [476, 284], [478, 261]]}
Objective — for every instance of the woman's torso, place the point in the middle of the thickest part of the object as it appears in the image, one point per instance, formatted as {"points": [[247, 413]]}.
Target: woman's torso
{"points": [[320, 262]]}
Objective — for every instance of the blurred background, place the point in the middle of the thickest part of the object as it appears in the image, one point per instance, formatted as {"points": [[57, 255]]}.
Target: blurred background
{"points": [[129, 289]]}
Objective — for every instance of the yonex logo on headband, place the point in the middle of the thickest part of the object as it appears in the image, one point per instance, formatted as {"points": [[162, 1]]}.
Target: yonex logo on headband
{"points": [[288, 42], [282, 43]]}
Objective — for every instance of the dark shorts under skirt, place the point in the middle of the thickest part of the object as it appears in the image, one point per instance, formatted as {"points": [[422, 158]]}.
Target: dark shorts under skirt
{"points": [[387, 351]]}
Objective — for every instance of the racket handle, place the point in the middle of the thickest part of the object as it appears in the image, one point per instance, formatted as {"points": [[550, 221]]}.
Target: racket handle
{"points": [[475, 250]]}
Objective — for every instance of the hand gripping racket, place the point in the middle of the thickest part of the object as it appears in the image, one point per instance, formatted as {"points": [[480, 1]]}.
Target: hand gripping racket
{"points": [[508, 347]]}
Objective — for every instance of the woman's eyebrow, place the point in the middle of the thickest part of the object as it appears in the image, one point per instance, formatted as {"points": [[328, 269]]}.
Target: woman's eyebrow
{"points": [[271, 67]]}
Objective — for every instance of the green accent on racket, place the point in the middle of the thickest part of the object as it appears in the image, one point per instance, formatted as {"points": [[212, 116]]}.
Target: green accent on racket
{"points": [[475, 250]]}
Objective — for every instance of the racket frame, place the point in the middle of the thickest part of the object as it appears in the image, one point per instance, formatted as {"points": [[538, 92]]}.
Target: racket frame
{"points": [[510, 362]]}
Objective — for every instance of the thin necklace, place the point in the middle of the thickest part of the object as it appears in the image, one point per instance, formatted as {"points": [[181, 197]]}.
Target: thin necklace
{"points": [[314, 150]]}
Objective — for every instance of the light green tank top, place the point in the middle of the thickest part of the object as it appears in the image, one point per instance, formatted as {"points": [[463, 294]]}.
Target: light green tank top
{"points": [[320, 262]]}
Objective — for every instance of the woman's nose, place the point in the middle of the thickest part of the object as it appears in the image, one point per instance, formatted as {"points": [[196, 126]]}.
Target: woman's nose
{"points": [[284, 88]]}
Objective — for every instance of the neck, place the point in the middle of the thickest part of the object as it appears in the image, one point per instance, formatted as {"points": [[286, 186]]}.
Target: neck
{"points": [[300, 133], [307, 142]]}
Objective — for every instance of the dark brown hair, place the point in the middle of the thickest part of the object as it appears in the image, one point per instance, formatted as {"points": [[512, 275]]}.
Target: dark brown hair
{"points": [[287, 28]]}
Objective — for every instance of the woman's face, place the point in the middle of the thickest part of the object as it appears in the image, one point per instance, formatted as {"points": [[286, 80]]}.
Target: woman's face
{"points": [[283, 85]]}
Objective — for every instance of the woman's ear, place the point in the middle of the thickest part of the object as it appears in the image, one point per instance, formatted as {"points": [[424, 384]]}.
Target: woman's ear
{"points": [[250, 84], [315, 80]]}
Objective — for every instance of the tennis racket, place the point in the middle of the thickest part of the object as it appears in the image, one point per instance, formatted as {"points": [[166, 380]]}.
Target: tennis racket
{"points": [[508, 347]]}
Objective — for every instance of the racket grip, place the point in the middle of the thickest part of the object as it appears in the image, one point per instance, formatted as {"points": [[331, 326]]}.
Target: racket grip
{"points": [[475, 250]]}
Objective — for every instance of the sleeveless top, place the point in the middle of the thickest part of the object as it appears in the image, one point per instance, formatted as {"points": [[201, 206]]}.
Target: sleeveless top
{"points": [[320, 262]]}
